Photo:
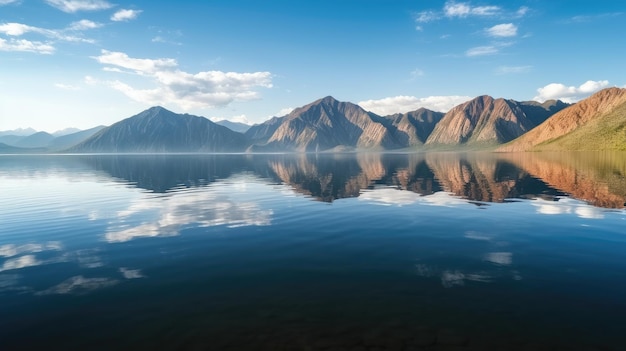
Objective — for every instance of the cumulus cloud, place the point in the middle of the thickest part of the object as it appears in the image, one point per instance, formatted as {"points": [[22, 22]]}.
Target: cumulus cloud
{"points": [[402, 104], [22, 45], [125, 15], [569, 94], [502, 30], [238, 119], [72, 6], [187, 90], [465, 9], [284, 111]]}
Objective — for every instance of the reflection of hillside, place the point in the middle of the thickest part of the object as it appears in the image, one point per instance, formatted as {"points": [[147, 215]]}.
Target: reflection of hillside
{"points": [[162, 173], [598, 178], [484, 178]]}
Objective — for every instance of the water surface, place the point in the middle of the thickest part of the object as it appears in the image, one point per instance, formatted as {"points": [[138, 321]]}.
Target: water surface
{"points": [[313, 252]]}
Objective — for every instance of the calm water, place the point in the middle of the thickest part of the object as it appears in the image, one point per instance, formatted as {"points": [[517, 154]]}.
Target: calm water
{"points": [[327, 252]]}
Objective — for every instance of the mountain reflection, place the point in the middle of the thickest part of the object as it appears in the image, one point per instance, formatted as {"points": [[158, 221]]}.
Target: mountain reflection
{"points": [[594, 178]]}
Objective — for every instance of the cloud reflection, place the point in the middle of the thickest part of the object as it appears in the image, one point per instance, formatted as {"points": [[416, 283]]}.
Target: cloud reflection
{"points": [[10, 250], [568, 206], [79, 285], [20, 262], [501, 258], [391, 196], [167, 216]]}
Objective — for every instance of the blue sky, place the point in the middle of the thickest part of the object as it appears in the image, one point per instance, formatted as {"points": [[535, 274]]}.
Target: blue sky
{"points": [[82, 63]]}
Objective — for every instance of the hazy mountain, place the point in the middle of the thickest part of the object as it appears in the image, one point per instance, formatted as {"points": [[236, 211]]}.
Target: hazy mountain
{"points": [[65, 131], [66, 141], [19, 132], [8, 149], [485, 121], [160, 130], [327, 124], [596, 123], [234, 126], [37, 140], [11, 139], [417, 125]]}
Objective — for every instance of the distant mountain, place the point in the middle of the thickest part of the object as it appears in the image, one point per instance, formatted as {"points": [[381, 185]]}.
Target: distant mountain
{"points": [[11, 139], [417, 125], [328, 124], [234, 126], [8, 149], [596, 123], [66, 141], [485, 121], [37, 140], [160, 130], [65, 131], [19, 132]]}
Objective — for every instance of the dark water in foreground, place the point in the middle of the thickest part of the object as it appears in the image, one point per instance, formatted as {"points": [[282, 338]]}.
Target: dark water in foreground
{"points": [[327, 252]]}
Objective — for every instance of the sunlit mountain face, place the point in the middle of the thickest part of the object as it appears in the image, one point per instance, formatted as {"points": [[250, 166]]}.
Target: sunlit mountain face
{"points": [[318, 251]]}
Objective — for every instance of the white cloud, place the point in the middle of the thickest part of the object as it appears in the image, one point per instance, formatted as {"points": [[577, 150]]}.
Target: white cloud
{"points": [[569, 93], [238, 119], [66, 86], [22, 45], [6, 2], [72, 6], [522, 11], [502, 30], [84, 25], [416, 73], [284, 111], [187, 90], [20, 262], [464, 9], [125, 15], [482, 51], [513, 69], [426, 16], [402, 104], [19, 29]]}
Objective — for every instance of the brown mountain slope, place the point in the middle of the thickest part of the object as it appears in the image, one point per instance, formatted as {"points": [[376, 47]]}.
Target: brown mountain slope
{"points": [[327, 124], [417, 125], [486, 121], [596, 123]]}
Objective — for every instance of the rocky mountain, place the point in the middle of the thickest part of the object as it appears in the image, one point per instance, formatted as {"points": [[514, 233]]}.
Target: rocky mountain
{"points": [[160, 130], [485, 121], [262, 132], [596, 123], [417, 125], [328, 124], [234, 126], [65, 131], [37, 140]]}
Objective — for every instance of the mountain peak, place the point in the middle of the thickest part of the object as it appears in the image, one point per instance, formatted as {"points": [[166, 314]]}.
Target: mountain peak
{"points": [[328, 100]]}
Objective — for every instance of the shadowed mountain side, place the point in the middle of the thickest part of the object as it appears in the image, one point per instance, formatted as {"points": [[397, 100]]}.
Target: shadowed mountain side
{"points": [[485, 121], [160, 130], [596, 123], [164, 173], [68, 140], [417, 125], [8, 149], [234, 126], [261, 133], [485, 178], [37, 140], [596, 177]]}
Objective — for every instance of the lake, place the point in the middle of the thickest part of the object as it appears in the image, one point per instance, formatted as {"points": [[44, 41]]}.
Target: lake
{"points": [[313, 252]]}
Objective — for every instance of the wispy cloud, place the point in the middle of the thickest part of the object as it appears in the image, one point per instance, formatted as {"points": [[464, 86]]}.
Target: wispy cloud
{"points": [[66, 86], [125, 15], [465, 9], [402, 104], [23, 45], [72, 6], [7, 2], [84, 25], [513, 69], [569, 94], [19, 29], [502, 30], [591, 18], [482, 51], [187, 90]]}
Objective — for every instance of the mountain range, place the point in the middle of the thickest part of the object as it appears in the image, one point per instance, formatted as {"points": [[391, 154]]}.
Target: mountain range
{"points": [[329, 125]]}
